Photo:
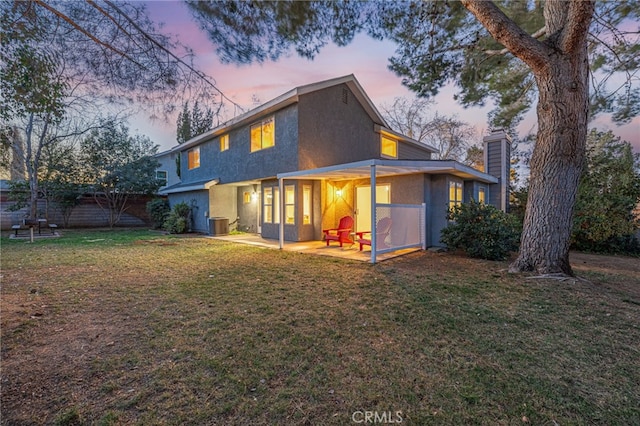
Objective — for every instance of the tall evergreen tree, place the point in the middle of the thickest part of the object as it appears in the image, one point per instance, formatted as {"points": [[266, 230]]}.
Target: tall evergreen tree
{"points": [[608, 193], [193, 122]]}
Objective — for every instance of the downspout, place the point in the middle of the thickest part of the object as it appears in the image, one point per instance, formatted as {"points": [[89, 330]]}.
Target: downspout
{"points": [[374, 243], [281, 212]]}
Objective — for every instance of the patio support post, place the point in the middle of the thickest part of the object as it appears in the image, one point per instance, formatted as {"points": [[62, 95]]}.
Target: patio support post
{"points": [[423, 223], [281, 213], [374, 243]]}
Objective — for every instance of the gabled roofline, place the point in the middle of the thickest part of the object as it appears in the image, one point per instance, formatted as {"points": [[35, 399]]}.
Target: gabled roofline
{"points": [[284, 100]]}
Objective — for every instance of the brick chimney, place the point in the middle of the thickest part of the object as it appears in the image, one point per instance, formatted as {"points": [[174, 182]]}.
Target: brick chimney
{"points": [[497, 162]]}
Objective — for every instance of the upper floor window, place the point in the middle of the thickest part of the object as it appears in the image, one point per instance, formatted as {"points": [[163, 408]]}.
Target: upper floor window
{"points": [[455, 194], [161, 177], [224, 142], [194, 158], [263, 134], [388, 147]]}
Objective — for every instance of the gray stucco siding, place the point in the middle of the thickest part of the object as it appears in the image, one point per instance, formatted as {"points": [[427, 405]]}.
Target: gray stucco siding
{"points": [[168, 164], [206, 169], [199, 203], [439, 206], [410, 152], [280, 158], [334, 132], [238, 163]]}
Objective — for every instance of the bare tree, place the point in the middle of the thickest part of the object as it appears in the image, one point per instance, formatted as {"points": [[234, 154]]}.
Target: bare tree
{"points": [[408, 116], [449, 135], [65, 63]]}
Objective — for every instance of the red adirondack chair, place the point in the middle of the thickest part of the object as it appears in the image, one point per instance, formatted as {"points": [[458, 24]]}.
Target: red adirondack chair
{"points": [[342, 233], [382, 231]]}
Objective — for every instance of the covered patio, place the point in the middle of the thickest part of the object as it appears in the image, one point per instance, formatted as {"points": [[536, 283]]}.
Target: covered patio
{"points": [[409, 220], [318, 248]]}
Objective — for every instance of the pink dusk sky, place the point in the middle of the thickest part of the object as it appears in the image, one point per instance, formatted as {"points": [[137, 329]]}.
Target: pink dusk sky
{"points": [[366, 58]]}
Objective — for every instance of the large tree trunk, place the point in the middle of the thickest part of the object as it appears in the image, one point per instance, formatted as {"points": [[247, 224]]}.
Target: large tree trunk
{"points": [[556, 166], [556, 163], [560, 66]]}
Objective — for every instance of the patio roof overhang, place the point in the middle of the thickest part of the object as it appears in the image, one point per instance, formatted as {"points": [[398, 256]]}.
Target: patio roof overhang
{"points": [[362, 169]]}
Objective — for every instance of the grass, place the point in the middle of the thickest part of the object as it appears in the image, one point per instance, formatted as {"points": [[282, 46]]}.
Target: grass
{"points": [[133, 327]]}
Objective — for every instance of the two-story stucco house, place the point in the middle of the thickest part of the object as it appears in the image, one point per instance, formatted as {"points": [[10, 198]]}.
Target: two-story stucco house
{"points": [[297, 164]]}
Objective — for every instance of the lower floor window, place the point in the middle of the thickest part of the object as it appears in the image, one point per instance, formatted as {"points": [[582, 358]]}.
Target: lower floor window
{"points": [[306, 204], [290, 204], [271, 205], [455, 194]]}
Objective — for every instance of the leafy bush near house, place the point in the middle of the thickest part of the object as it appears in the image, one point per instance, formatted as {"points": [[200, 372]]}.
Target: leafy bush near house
{"points": [[482, 231], [158, 210], [178, 220]]}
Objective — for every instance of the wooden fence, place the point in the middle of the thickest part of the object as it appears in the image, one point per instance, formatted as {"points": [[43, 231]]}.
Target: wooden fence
{"points": [[86, 215]]}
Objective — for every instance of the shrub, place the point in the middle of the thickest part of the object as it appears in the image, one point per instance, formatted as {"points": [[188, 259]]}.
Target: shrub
{"points": [[482, 231], [158, 210], [175, 224], [178, 220], [182, 210]]}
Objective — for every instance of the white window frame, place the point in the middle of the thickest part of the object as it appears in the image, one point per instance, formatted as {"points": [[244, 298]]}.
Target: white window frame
{"points": [[290, 204], [193, 153], [307, 204], [394, 143], [164, 179], [224, 142], [267, 205], [261, 125], [455, 197]]}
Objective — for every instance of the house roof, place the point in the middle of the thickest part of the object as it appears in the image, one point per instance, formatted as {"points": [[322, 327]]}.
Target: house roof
{"points": [[291, 97], [189, 186], [363, 169]]}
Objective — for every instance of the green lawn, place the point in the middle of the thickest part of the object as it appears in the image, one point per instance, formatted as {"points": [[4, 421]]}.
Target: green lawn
{"points": [[133, 327]]}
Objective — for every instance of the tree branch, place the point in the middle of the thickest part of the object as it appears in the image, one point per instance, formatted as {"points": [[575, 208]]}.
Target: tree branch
{"points": [[174, 56], [576, 29], [509, 34], [112, 19], [85, 32], [540, 33]]}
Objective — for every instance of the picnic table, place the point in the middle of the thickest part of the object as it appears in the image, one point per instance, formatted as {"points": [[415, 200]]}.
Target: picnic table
{"points": [[32, 224]]}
